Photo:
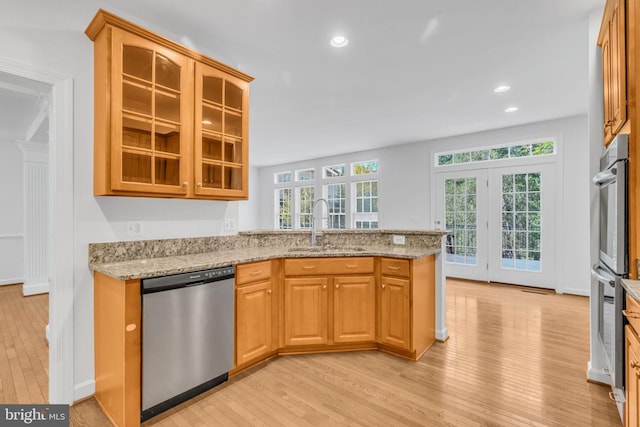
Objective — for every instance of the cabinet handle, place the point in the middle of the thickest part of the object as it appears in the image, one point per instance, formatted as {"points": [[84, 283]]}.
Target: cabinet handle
{"points": [[612, 396], [631, 314], [255, 273], [393, 268], [351, 266], [131, 327], [308, 267], [337, 286], [268, 291]]}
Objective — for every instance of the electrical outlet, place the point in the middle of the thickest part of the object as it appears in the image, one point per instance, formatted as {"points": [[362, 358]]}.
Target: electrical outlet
{"points": [[134, 228], [229, 224], [398, 240]]}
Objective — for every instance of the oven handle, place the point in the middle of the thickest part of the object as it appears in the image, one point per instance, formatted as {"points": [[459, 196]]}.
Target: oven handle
{"points": [[605, 177], [605, 277]]}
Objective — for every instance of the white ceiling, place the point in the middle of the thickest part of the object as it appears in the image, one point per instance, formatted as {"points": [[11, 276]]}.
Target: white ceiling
{"points": [[414, 70]]}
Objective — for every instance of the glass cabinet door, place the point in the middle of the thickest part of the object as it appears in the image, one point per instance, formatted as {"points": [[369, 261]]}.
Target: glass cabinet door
{"points": [[221, 133], [150, 105]]}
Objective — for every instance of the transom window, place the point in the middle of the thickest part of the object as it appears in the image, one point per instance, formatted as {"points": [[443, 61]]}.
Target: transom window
{"points": [[498, 152]]}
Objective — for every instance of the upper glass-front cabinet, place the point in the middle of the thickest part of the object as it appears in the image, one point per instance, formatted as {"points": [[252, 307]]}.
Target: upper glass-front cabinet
{"points": [[221, 133], [150, 104], [169, 122]]}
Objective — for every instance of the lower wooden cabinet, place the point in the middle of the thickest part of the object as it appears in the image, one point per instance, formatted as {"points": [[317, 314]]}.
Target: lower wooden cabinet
{"points": [[354, 309], [253, 321], [395, 310], [305, 311], [632, 380]]}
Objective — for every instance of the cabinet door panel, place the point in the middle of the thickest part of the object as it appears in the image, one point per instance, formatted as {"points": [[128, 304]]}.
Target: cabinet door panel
{"points": [[305, 316], [354, 309], [395, 312], [253, 321]]}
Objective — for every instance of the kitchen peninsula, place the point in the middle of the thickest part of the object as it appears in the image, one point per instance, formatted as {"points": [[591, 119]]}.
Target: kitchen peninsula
{"points": [[354, 290]]}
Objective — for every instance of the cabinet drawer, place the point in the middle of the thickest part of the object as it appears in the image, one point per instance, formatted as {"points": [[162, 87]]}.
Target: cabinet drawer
{"points": [[323, 266], [248, 273], [633, 313], [395, 267]]}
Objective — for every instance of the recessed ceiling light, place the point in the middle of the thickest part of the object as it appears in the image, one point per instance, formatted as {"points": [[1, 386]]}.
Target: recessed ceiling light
{"points": [[339, 41], [511, 109], [502, 88]]}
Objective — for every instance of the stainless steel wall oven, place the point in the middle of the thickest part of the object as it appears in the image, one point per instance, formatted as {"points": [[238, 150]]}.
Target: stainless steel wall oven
{"points": [[613, 262]]}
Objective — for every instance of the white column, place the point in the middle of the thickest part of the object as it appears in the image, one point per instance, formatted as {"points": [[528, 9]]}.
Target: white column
{"points": [[36, 218]]}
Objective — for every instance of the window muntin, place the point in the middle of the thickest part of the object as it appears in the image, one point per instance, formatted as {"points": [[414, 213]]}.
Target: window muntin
{"points": [[333, 171], [498, 152], [284, 208], [305, 202]]}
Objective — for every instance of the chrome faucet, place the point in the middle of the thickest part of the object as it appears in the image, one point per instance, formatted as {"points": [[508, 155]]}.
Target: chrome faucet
{"points": [[315, 233]]}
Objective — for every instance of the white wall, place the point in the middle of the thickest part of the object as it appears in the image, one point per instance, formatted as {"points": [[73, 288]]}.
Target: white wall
{"points": [[11, 214], [48, 35], [404, 190]]}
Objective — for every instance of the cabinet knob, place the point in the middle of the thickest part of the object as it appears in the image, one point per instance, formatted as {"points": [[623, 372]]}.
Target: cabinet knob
{"points": [[383, 286], [185, 184], [324, 286], [131, 327], [268, 291], [199, 185], [337, 286]]}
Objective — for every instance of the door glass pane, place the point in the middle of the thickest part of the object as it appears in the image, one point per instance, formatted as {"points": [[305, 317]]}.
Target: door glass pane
{"points": [[460, 220], [232, 96], [521, 228], [232, 124], [167, 73], [232, 151], [136, 97], [136, 168], [137, 62], [211, 119], [168, 106], [167, 138], [233, 178], [167, 171], [212, 176], [211, 148], [212, 89], [136, 132]]}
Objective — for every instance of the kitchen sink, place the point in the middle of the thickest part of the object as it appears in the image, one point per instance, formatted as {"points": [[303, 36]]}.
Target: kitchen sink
{"points": [[328, 249]]}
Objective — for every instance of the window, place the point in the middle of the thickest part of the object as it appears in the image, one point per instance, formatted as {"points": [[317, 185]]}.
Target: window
{"points": [[305, 206], [364, 168], [336, 196], [511, 151], [284, 203], [366, 203], [305, 175], [333, 171], [282, 177]]}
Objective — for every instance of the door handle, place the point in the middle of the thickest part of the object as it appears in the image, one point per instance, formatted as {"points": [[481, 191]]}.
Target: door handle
{"points": [[596, 273]]}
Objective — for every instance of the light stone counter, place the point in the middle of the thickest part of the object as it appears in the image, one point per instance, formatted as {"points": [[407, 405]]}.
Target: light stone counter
{"points": [[632, 287], [153, 258]]}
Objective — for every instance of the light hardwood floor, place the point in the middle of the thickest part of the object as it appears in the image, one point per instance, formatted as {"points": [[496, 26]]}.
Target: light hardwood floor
{"points": [[515, 358]]}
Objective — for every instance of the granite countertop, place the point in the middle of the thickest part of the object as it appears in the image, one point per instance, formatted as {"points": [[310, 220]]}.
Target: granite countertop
{"points": [[632, 287], [162, 266]]}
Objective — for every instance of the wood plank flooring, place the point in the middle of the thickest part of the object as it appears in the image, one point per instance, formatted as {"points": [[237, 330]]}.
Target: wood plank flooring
{"points": [[514, 358], [24, 355]]}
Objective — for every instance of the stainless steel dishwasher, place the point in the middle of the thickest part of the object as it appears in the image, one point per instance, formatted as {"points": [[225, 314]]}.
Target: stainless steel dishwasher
{"points": [[187, 336]]}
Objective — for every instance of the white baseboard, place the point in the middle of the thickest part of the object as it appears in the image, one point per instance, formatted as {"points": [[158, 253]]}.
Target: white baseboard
{"points": [[598, 375], [581, 292], [35, 288], [442, 335], [84, 389], [13, 281]]}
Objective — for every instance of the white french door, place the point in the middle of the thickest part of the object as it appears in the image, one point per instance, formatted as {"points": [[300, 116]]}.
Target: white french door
{"points": [[462, 200], [500, 224]]}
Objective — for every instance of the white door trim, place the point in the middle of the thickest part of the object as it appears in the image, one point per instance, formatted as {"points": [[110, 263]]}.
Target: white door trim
{"points": [[61, 227]]}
